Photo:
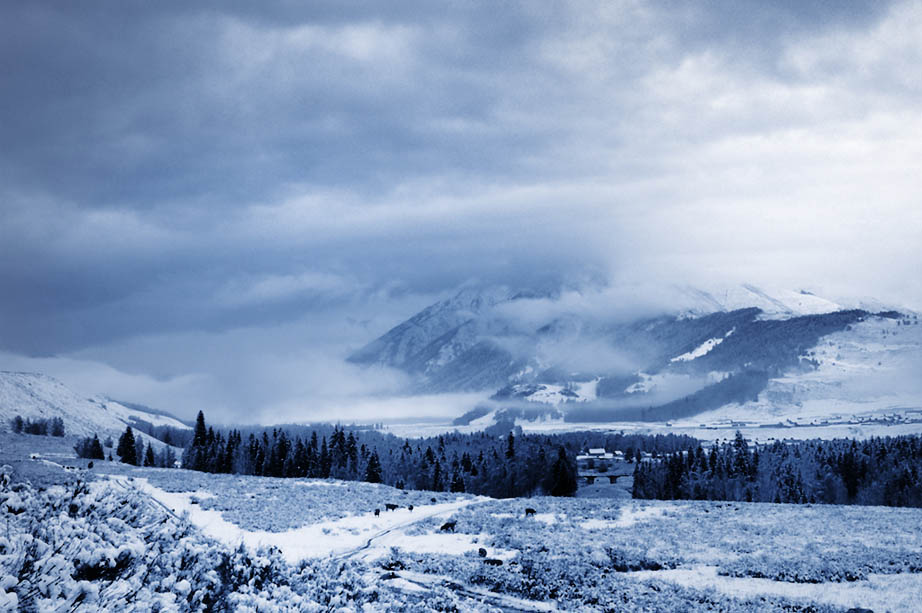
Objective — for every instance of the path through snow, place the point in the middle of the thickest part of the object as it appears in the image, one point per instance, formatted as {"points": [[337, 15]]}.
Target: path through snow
{"points": [[342, 537]]}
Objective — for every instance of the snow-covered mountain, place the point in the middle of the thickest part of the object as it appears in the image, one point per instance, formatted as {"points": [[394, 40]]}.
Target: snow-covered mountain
{"points": [[38, 396], [576, 355]]}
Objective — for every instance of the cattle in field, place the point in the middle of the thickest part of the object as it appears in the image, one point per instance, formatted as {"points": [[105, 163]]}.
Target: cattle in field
{"points": [[389, 506], [377, 512], [529, 511], [410, 507], [448, 526], [482, 552], [493, 562]]}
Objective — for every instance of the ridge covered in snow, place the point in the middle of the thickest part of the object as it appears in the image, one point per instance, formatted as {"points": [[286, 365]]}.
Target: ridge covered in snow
{"points": [[38, 396], [598, 359]]}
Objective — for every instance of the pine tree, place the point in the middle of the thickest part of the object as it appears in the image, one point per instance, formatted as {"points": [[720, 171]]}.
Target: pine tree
{"points": [[200, 435], [96, 452], [325, 460], [373, 470], [457, 483], [149, 456], [437, 484], [126, 449], [562, 480]]}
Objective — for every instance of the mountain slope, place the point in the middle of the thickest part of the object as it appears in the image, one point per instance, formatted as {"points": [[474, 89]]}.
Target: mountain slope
{"points": [[713, 350], [37, 396]]}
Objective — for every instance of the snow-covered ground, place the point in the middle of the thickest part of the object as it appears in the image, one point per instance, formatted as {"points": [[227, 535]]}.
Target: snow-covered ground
{"points": [[573, 554], [894, 593], [373, 535], [775, 302]]}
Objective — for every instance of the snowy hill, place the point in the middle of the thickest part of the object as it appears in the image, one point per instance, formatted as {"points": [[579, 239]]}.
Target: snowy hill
{"points": [[775, 303], [542, 356], [37, 396]]}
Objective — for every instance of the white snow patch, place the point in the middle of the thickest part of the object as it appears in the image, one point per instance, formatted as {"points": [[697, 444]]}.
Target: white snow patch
{"points": [[547, 518], [321, 539], [702, 349], [895, 593], [628, 517]]}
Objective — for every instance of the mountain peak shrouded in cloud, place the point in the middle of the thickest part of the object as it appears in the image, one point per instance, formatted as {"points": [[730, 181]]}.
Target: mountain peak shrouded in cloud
{"points": [[215, 208], [611, 354]]}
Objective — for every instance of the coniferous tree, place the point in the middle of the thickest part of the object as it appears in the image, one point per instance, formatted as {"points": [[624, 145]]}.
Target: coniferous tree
{"points": [[373, 469], [562, 479], [126, 449], [437, 484], [89, 448], [96, 452], [200, 434], [325, 460], [149, 456], [457, 483]]}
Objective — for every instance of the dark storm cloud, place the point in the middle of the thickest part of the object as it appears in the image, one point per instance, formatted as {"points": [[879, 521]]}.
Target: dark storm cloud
{"points": [[212, 173]]}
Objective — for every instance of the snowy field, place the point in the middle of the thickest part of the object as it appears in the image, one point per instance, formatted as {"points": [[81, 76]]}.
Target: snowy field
{"points": [[120, 538]]}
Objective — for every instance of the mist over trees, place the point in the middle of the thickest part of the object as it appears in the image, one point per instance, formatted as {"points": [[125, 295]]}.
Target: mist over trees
{"points": [[876, 471]]}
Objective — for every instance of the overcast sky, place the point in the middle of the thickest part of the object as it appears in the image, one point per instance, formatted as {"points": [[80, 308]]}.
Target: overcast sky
{"points": [[208, 205]]}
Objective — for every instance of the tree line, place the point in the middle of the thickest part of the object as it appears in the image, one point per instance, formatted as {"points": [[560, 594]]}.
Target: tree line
{"points": [[877, 471], [53, 426], [504, 466], [130, 450], [481, 464]]}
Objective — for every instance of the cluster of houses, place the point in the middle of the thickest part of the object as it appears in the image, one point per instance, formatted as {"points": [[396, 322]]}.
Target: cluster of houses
{"points": [[600, 466]]}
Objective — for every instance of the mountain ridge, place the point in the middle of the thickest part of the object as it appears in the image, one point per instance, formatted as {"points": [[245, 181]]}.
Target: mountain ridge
{"points": [[708, 352], [39, 396]]}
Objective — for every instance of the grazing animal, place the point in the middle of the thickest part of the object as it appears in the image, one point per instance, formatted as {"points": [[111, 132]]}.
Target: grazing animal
{"points": [[410, 507], [432, 500], [90, 464], [390, 507], [482, 552], [493, 562], [377, 512], [448, 526], [529, 511]]}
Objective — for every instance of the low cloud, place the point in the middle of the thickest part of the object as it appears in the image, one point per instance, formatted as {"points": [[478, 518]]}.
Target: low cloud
{"points": [[299, 178]]}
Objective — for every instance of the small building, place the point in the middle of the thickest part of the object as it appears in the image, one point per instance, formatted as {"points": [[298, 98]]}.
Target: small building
{"points": [[598, 464]]}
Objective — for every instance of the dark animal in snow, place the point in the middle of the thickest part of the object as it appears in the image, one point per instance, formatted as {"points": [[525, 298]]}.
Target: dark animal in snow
{"points": [[493, 562], [448, 526], [390, 507], [410, 507], [482, 552], [377, 512], [529, 511], [432, 500]]}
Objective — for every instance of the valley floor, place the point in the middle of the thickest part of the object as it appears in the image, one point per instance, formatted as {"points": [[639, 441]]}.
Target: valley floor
{"points": [[121, 538]]}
